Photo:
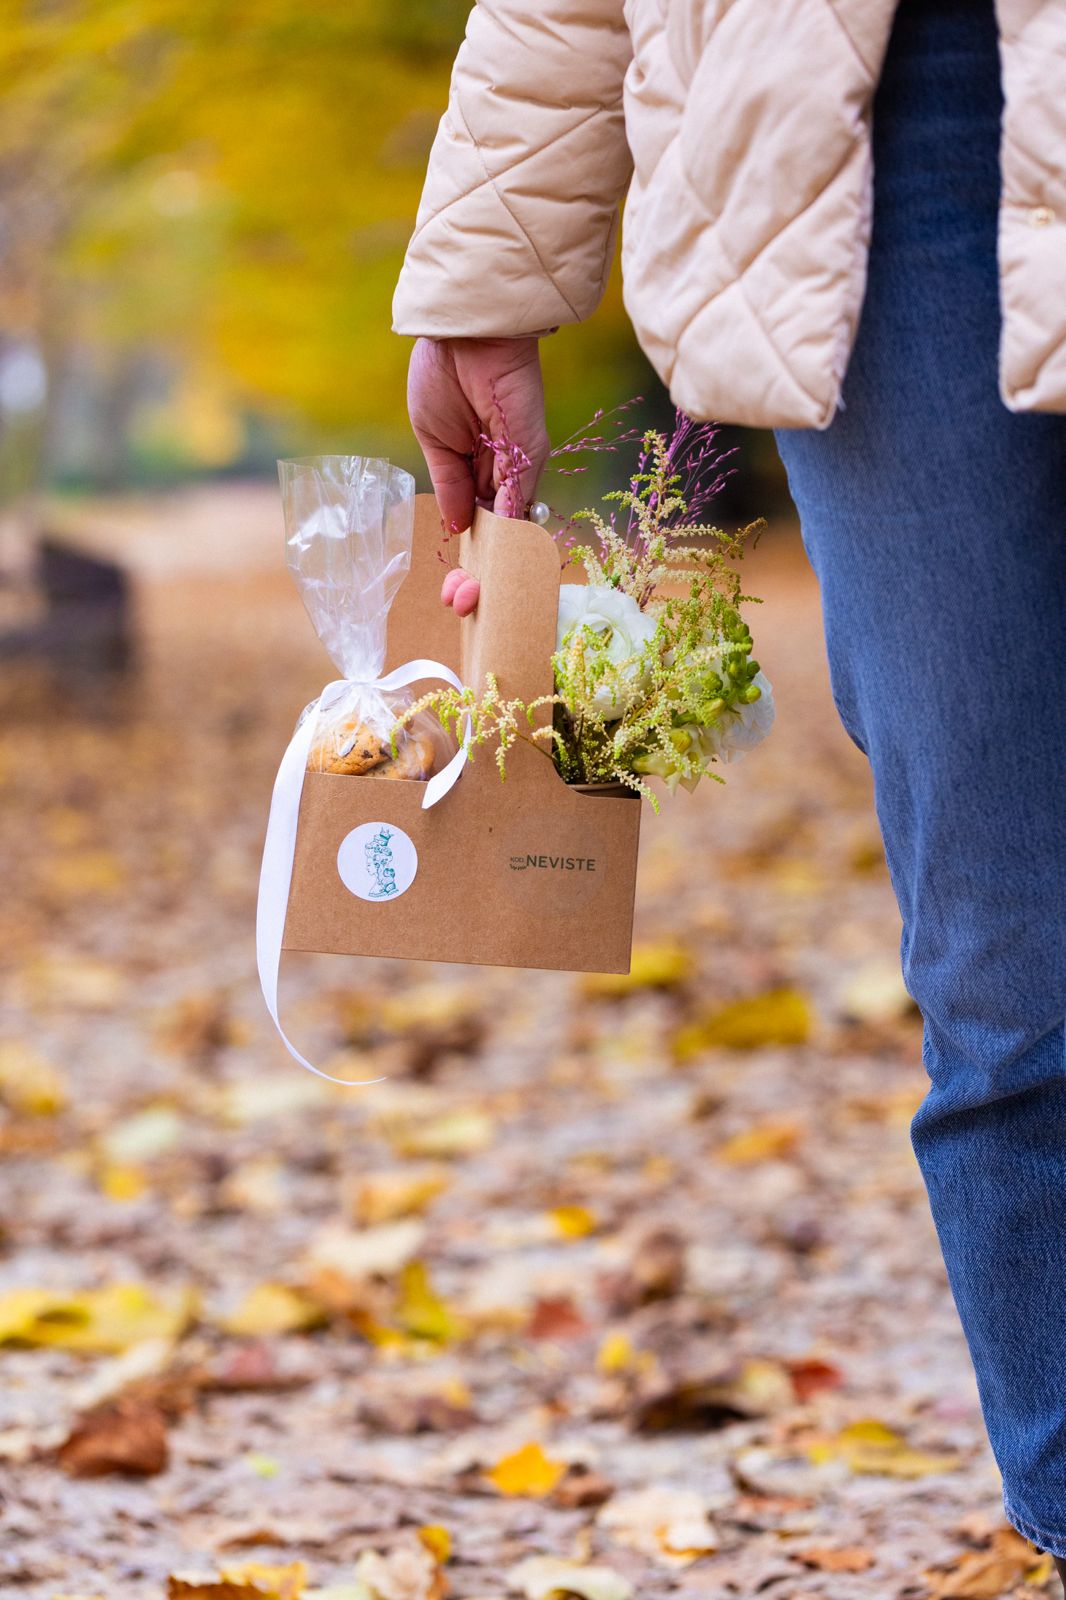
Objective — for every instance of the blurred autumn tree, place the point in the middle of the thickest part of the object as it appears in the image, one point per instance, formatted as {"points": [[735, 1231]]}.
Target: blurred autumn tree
{"points": [[203, 209]]}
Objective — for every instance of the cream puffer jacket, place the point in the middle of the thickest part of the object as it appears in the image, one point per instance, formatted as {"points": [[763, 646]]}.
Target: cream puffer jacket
{"points": [[746, 127]]}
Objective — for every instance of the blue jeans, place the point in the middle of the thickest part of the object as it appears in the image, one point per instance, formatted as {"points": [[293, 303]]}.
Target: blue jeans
{"points": [[936, 522]]}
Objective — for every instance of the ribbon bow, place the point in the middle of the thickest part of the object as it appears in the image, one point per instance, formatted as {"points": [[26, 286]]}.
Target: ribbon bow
{"points": [[279, 847]]}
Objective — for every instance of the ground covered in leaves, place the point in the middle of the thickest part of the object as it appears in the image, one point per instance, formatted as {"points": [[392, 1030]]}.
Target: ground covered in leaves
{"points": [[614, 1287]]}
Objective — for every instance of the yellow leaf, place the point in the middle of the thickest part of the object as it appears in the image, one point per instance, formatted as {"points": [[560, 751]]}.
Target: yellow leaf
{"points": [[870, 1448], [29, 1084], [122, 1183], [263, 1466], [527, 1471], [420, 1311], [437, 1540], [615, 1354], [666, 965], [273, 1308], [389, 1196], [573, 1222], [97, 1321], [242, 1583], [781, 1016], [764, 1142]]}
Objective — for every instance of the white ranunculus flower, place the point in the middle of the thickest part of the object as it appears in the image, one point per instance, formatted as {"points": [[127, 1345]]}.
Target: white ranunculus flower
{"points": [[607, 611], [740, 730]]}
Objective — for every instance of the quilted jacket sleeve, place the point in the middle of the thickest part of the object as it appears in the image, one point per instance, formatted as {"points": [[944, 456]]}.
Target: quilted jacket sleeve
{"points": [[516, 228]]}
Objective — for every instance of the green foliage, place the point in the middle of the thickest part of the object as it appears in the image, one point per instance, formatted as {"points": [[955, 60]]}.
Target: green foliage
{"points": [[662, 708]]}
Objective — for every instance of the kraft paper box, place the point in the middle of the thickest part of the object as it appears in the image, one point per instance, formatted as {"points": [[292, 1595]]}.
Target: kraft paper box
{"points": [[525, 872]]}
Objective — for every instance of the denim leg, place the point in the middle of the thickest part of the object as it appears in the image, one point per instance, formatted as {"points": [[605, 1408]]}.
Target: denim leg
{"points": [[936, 522]]}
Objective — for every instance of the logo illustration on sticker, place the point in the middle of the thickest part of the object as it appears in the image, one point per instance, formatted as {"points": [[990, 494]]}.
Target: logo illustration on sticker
{"points": [[377, 861]]}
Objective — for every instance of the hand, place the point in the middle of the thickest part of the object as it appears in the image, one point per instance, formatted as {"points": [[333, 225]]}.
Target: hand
{"points": [[457, 390]]}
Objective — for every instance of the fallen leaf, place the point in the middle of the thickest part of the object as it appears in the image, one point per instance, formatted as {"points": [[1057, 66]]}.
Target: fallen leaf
{"points": [[407, 1573], [836, 1558], [780, 1016], [986, 1574], [573, 1222], [389, 1196], [29, 1084], [545, 1577], [97, 1321], [667, 1523], [437, 1540], [420, 1311], [242, 1583], [527, 1471], [765, 1142], [871, 1448], [273, 1308], [666, 965], [556, 1317], [359, 1253], [810, 1377], [126, 1436]]}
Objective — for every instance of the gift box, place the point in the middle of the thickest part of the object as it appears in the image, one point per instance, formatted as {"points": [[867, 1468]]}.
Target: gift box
{"points": [[525, 871]]}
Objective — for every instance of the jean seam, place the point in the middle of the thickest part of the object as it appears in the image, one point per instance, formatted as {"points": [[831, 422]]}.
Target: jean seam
{"points": [[1032, 1531]]}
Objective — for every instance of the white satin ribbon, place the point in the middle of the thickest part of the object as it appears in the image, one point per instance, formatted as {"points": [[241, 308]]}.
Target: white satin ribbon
{"points": [[279, 847]]}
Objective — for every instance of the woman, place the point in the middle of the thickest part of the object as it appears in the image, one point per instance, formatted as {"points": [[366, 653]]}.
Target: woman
{"points": [[819, 188]]}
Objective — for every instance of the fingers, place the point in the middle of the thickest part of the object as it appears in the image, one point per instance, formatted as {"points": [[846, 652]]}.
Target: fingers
{"points": [[466, 597], [446, 425], [452, 477], [460, 591]]}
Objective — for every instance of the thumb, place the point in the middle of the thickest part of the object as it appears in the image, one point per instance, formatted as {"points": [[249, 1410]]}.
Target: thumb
{"points": [[452, 477]]}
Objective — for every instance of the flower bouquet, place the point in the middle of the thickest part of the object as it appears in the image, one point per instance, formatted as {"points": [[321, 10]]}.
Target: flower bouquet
{"points": [[653, 668]]}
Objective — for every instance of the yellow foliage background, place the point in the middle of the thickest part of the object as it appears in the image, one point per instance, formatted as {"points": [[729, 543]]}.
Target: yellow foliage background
{"points": [[204, 208]]}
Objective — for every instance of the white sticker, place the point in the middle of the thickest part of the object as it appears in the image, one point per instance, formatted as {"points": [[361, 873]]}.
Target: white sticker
{"points": [[377, 861]]}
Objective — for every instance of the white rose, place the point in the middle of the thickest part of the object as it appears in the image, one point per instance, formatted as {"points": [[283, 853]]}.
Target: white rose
{"points": [[607, 611], [739, 730]]}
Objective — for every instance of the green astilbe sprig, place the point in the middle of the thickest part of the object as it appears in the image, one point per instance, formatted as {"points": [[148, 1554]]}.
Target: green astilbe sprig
{"points": [[621, 721]]}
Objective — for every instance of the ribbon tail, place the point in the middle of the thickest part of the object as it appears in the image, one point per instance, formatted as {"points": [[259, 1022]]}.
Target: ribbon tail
{"points": [[275, 876]]}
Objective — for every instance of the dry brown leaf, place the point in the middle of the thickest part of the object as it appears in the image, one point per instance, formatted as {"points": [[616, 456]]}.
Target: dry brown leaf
{"points": [[767, 1141], [836, 1558], [987, 1574], [126, 1436], [390, 1196]]}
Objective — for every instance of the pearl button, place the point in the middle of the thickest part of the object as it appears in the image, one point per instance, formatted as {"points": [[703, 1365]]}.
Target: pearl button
{"points": [[539, 512], [1041, 217]]}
